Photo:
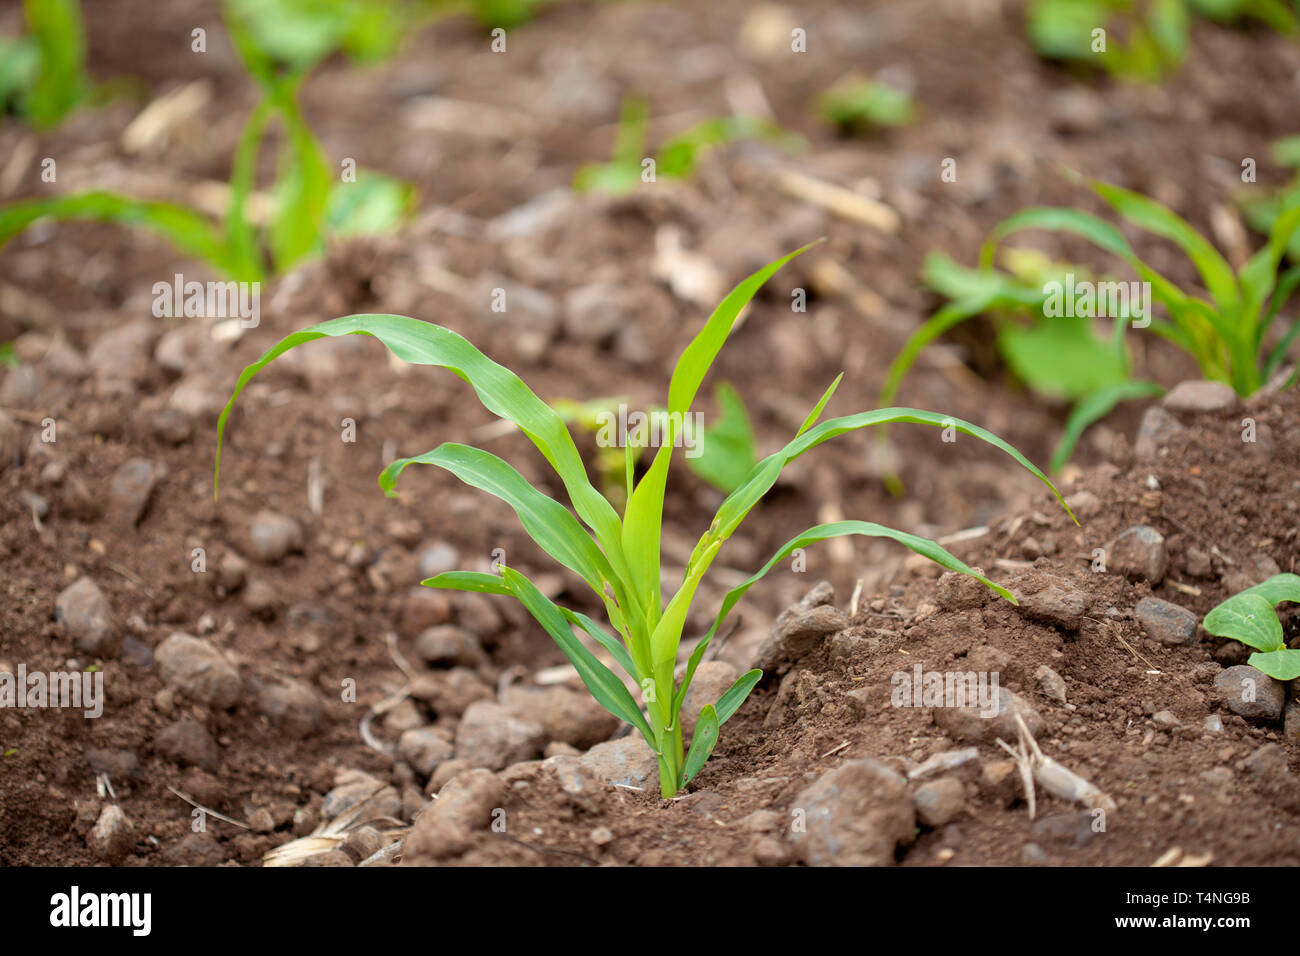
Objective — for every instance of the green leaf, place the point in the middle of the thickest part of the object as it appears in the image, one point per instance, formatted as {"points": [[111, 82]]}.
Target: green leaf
{"points": [[604, 639], [373, 205], [477, 581], [1248, 618], [1062, 356], [816, 413], [1278, 588], [600, 680], [727, 450], [736, 694], [500, 390], [547, 522], [60, 82], [303, 189], [1282, 664], [189, 232], [866, 104], [950, 315], [1092, 408], [702, 743]]}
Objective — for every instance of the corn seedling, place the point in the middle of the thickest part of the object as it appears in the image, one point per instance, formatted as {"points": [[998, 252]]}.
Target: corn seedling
{"points": [[1261, 213], [43, 72], [308, 204], [677, 158], [620, 558], [1251, 618], [723, 455], [857, 106], [1225, 333]]}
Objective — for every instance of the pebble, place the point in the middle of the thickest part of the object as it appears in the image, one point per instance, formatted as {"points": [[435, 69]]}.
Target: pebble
{"points": [[118, 764], [261, 599], [173, 426], [466, 804], [1251, 693], [1155, 432], [595, 312], [422, 609], [626, 762], [939, 801], [352, 787], [1201, 397], [968, 724], [1050, 683], [798, 631], [447, 645], [712, 679], [292, 707], [188, 743], [362, 842], [112, 836], [855, 815], [489, 736], [87, 617], [1072, 829], [124, 351], [194, 667], [451, 692], [1139, 553], [131, 488], [272, 536], [1268, 761], [1214, 724], [1166, 622], [437, 557], [197, 849], [424, 749], [1052, 600], [567, 716]]}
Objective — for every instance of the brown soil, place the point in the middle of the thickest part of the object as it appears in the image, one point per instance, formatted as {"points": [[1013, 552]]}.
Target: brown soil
{"points": [[335, 603]]}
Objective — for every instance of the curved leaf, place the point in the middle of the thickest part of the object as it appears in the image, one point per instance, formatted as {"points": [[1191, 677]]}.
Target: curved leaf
{"points": [[1249, 618], [468, 581]]}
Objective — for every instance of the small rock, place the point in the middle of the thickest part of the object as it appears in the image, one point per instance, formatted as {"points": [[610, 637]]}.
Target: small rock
{"points": [[361, 843], [973, 724], [1000, 779], [451, 692], [173, 426], [1071, 829], [1165, 622], [712, 679], [272, 536], [436, 558], [960, 592], [595, 312], [489, 736], [352, 787], [1165, 719], [87, 618], [1032, 854], [1084, 504], [293, 708], [197, 669], [1051, 599], [447, 771], [1158, 428], [188, 743], [939, 801], [855, 815], [1050, 683], [424, 749], [334, 857], [1201, 397], [447, 645], [1076, 110], [1214, 724], [626, 762], [1268, 761], [567, 716], [118, 764], [1197, 563], [1139, 553], [798, 631], [197, 849], [112, 836], [769, 851], [1251, 693], [131, 487]]}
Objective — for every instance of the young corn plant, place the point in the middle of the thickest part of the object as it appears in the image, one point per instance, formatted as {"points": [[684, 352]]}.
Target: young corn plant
{"points": [[1261, 212], [1226, 334], [43, 72], [618, 555], [858, 105], [1250, 617], [309, 203]]}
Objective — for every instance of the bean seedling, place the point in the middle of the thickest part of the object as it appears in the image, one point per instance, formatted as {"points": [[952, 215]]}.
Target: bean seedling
{"points": [[620, 559], [1250, 617]]}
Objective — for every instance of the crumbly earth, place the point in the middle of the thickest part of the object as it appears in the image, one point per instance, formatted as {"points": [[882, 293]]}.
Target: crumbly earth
{"points": [[319, 684]]}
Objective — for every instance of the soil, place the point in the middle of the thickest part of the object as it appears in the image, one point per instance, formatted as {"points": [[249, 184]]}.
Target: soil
{"points": [[341, 609]]}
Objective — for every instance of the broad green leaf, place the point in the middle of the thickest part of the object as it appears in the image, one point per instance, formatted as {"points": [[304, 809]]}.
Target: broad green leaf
{"points": [[373, 205], [867, 103], [727, 450], [600, 680], [1061, 356], [1278, 588], [1282, 664], [1248, 618], [702, 743], [547, 522], [500, 390], [1093, 407]]}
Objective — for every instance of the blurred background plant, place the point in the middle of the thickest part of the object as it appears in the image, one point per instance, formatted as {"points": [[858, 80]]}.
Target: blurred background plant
{"points": [[43, 71]]}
